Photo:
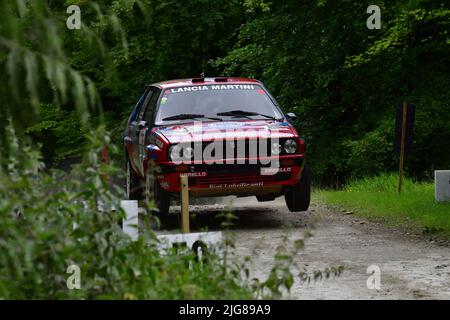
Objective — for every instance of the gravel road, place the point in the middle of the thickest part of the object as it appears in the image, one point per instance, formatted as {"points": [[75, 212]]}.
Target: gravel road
{"points": [[412, 267]]}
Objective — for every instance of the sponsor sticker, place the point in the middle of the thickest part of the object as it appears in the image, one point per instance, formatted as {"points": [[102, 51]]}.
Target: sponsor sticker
{"points": [[212, 87], [270, 171], [194, 174], [236, 185]]}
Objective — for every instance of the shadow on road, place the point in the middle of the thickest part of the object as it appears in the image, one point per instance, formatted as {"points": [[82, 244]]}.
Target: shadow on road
{"points": [[247, 214]]}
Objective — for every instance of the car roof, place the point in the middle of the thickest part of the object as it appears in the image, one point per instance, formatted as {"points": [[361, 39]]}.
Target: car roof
{"points": [[204, 81]]}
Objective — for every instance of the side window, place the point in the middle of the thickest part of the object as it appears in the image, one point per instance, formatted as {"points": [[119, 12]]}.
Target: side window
{"points": [[138, 107], [150, 107], [144, 105]]}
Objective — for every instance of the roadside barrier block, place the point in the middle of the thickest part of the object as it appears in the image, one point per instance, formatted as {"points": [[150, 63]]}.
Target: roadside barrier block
{"points": [[131, 221], [442, 185]]}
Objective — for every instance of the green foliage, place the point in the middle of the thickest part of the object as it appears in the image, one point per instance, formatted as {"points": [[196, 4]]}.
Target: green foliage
{"points": [[36, 72], [371, 153], [54, 84], [52, 220], [59, 133], [377, 198], [123, 45], [344, 81], [318, 59], [341, 78]]}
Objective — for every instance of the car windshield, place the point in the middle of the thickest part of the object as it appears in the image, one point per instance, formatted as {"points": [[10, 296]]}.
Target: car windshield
{"points": [[209, 102]]}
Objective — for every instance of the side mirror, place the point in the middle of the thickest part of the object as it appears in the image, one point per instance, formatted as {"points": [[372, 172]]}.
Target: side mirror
{"points": [[142, 124], [291, 116]]}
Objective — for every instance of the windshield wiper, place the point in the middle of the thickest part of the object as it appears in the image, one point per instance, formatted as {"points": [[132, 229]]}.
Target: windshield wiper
{"points": [[246, 114], [185, 116]]}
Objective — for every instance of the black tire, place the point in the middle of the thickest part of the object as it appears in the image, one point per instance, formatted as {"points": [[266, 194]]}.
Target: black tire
{"points": [[133, 184], [153, 191], [298, 197]]}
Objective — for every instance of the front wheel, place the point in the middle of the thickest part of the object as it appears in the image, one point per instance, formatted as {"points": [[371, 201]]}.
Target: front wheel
{"points": [[299, 196]]}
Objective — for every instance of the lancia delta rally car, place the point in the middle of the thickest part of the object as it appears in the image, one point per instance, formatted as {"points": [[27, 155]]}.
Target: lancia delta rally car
{"points": [[227, 135]]}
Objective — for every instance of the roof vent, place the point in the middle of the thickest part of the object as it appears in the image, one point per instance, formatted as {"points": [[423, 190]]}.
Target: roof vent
{"points": [[196, 80], [221, 79]]}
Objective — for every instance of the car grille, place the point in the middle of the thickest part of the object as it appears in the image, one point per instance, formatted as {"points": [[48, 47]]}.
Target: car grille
{"points": [[233, 149]]}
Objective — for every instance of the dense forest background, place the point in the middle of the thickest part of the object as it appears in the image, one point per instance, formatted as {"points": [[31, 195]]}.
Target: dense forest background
{"points": [[317, 58]]}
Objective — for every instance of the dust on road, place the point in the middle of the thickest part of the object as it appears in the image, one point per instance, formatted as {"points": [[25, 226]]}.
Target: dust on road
{"points": [[411, 267]]}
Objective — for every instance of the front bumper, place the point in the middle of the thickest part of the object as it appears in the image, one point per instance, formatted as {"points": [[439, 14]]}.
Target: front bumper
{"points": [[232, 179]]}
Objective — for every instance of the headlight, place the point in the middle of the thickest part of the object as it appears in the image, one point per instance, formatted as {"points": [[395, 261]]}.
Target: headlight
{"points": [[175, 152], [188, 152], [290, 146], [179, 152], [275, 148]]}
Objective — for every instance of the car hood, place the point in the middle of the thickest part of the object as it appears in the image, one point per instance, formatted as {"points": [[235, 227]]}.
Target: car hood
{"points": [[207, 131]]}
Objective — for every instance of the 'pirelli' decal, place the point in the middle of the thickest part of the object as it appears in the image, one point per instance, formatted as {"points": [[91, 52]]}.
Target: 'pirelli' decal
{"points": [[214, 87]]}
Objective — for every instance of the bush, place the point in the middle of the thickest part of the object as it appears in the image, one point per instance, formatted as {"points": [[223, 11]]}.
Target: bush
{"points": [[51, 220], [54, 84], [60, 133], [371, 153]]}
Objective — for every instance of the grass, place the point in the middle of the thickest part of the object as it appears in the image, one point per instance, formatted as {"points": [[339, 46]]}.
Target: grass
{"points": [[377, 198]]}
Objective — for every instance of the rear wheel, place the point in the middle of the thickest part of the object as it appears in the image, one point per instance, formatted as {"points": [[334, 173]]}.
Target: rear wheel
{"points": [[153, 191], [299, 196], [133, 183]]}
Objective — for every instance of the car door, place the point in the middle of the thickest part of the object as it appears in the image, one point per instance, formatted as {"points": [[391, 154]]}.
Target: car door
{"points": [[144, 125], [131, 138]]}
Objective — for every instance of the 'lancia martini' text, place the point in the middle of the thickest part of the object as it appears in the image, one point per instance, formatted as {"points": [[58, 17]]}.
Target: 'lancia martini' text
{"points": [[214, 87]]}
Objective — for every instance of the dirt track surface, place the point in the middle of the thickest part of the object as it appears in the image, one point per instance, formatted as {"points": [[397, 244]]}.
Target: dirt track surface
{"points": [[411, 267]]}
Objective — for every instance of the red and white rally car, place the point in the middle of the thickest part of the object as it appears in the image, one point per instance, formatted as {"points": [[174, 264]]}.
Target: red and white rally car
{"points": [[228, 135]]}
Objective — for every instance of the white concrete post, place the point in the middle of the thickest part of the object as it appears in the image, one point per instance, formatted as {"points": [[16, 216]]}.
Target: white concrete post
{"points": [[131, 221], [442, 185]]}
